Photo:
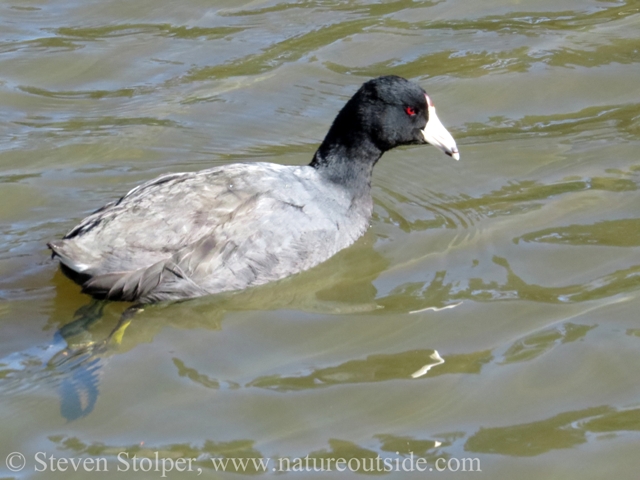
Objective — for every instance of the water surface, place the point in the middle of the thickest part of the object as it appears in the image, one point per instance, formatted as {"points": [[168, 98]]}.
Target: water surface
{"points": [[519, 264]]}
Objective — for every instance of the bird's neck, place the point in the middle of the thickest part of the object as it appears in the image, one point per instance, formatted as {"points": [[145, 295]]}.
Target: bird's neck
{"points": [[347, 161]]}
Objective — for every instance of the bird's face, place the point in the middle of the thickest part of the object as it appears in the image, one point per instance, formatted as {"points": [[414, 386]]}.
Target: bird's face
{"points": [[401, 113]]}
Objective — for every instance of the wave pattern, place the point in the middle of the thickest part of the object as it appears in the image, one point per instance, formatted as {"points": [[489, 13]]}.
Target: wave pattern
{"points": [[517, 266]]}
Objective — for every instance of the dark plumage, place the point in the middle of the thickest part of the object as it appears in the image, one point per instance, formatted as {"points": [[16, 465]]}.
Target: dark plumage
{"points": [[235, 226]]}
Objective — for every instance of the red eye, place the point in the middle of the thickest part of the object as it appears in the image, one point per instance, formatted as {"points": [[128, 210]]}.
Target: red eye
{"points": [[410, 111]]}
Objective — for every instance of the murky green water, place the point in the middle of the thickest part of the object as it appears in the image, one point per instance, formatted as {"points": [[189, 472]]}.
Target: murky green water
{"points": [[532, 240]]}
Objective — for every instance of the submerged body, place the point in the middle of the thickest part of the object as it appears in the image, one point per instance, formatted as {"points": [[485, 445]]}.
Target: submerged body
{"points": [[235, 226]]}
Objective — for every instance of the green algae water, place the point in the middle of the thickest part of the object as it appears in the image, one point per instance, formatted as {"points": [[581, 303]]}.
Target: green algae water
{"points": [[487, 323]]}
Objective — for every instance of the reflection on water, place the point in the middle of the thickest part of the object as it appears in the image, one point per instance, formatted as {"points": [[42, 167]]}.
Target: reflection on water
{"points": [[76, 376], [537, 343], [377, 368], [562, 431], [72, 363], [591, 121], [613, 233], [517, 265], [418, 296], [79, 353], [79, 358]]}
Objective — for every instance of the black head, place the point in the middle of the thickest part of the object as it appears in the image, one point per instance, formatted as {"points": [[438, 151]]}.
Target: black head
{"points": [[385, 112], [388, 112], [391, 110]]}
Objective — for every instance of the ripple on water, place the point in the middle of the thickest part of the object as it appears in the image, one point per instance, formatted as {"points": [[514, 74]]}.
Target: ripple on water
{"points": [[518, 264]]}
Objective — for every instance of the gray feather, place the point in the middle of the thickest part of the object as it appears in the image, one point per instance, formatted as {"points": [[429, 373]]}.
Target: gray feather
{"points": [[226, 228]]}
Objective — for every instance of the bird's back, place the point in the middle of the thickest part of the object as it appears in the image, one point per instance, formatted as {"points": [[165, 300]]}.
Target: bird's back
{"points": [[225, 228]]}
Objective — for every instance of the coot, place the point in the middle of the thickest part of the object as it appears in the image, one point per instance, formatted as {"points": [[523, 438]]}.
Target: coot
{"points": [[227, 228]]}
